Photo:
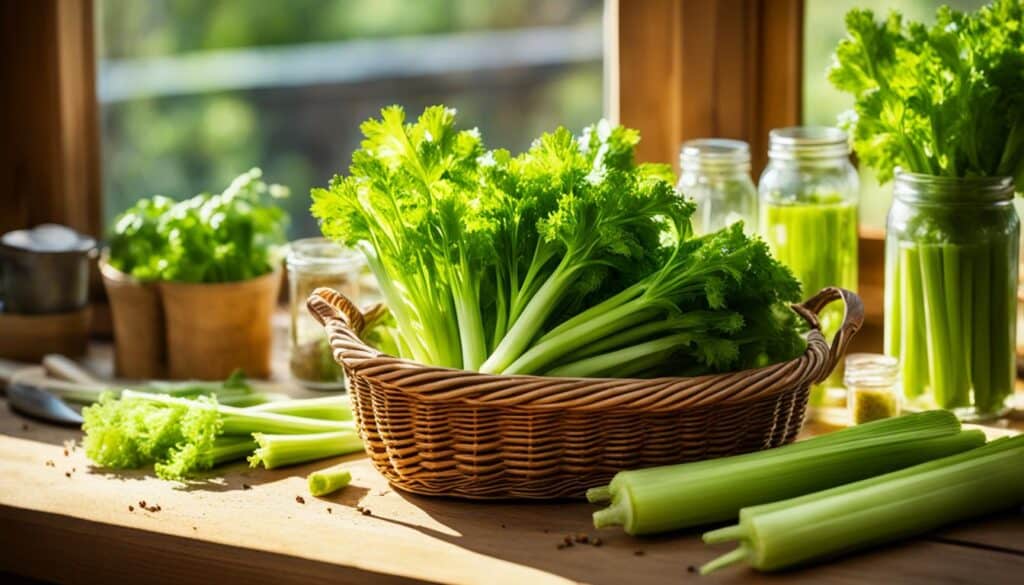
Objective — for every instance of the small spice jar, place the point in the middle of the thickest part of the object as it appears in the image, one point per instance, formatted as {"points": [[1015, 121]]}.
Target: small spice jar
{"points": [[313, 263], [872, 386]]}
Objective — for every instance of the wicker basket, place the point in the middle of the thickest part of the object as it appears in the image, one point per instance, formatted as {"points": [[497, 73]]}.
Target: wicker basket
{"points": [[438, 431]]}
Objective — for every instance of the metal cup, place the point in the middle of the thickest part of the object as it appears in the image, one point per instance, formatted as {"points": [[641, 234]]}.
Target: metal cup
{"points": [[44, 270]]}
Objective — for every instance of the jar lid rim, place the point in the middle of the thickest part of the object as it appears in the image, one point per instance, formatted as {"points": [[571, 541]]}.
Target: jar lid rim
{"points": [[304, 253], [926, 186]]}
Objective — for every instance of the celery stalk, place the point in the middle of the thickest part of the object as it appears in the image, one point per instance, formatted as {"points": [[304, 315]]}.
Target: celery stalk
{"points": [[330, 480], [280, 450], [324, 408], [243, 421], [981, 373], [1003, 310], [935, 319], [877, 510], [661, 499]]}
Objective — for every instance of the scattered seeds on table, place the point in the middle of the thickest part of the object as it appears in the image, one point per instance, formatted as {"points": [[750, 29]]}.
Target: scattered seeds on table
{"points": [[329, 511], [50, 463], [691, 569], [131, 508], [366, 512], [65, 452], [246, 486], [67, 474], [300, 499], [142, 503]]}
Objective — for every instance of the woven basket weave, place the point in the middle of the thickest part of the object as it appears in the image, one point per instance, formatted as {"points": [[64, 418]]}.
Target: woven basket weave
{"points": [[438, 431]]}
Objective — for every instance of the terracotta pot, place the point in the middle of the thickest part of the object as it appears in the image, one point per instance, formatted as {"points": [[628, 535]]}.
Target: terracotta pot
{"points": [[138, 317], [213, 329]]}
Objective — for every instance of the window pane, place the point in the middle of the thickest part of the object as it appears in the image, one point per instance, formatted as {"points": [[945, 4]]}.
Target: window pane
{"points": [[823, 29], [195, 92]]}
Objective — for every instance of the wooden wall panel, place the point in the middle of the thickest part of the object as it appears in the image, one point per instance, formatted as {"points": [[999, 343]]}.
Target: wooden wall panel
{"points": [[702, 68], [49, 158]]}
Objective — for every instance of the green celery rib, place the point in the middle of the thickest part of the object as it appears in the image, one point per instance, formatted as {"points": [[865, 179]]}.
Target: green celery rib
{"points": [[525, 328], [324, 408], [939, 340], [329, 480], [279, 450], [661, 506], [893, 318], [981, 372], [623, 358], [667, 498], [227, 449], [913, 352], [877, 510], [965, 343], [930, 423], [242, 421], [958, 391], [1003, 316], [600, 494]]}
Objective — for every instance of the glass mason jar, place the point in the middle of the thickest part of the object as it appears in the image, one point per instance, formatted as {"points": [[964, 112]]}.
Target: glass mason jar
{"points": [[809, 194], [312, 263], [950, 305], [715, 172]]}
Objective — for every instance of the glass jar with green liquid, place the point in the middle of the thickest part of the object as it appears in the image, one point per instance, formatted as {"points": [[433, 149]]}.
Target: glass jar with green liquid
{"points": [[807, 214]]}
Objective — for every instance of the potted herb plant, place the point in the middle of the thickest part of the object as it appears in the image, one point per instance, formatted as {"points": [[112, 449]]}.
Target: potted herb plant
{"points": [[193, 284]]}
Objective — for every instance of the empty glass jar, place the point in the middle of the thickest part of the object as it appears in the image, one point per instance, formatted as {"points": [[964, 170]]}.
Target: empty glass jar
{"points": [[715, 172], [313, 263], [809, 195]]}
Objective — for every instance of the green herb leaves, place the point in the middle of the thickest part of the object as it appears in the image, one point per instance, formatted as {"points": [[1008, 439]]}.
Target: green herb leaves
{"points": [[946, 99], [209, 238], [569, 258]]}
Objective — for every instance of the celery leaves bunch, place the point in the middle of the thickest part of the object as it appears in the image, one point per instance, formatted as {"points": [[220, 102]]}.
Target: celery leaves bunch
{"points": [[567, 259], [945, 99]]}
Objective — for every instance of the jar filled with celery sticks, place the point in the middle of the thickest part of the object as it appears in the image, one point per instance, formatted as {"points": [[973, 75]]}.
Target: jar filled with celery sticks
{"points": [[715, 173], [314, 263], [809, 193], [950, 291]]}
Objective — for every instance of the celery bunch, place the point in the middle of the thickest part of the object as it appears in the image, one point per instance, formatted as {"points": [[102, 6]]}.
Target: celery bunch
{"points": [[881, 509], [568, 259], [180, 436], [667, 498]]}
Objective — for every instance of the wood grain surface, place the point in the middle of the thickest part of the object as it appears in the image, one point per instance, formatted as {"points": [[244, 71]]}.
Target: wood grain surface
{"points": [[79, 529]]}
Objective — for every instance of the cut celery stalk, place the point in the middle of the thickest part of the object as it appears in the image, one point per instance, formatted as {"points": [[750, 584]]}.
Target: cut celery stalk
{"points": [[877, 510], [329, 480], [280, 450], [323, 408], [661, 499]]}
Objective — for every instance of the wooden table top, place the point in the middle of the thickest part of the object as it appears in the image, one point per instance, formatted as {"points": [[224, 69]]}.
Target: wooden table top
{"points": [[69, 522]]}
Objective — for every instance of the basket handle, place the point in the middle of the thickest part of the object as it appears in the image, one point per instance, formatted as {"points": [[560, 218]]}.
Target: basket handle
{"points": [[853, 318], [326, 303]]}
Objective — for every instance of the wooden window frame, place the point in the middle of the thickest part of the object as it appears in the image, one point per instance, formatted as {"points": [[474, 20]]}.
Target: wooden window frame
{"points": [[683, 69], [50, 162]]}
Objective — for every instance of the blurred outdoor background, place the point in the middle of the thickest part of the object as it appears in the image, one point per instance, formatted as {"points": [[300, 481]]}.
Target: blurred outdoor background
{"points": [[193, 92]]}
